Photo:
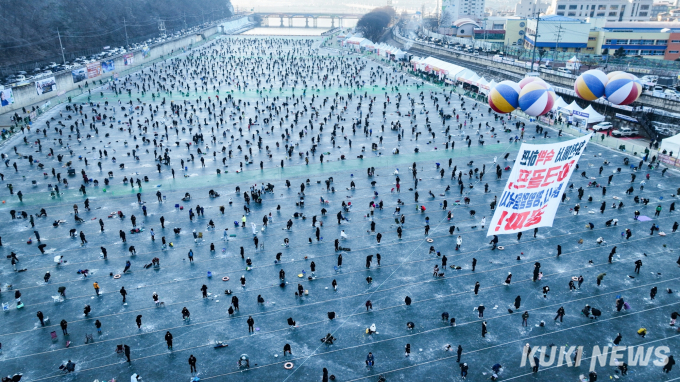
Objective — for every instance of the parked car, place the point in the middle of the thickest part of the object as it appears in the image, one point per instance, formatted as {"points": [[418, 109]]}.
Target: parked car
{"points": [[602, 126], [671, 92], [665, 131], [624, 132], [564, 70]]}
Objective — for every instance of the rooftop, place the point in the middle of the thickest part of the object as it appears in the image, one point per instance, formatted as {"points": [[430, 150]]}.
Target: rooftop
{"points": [[562, 19], [674, 25], [463, 21]]}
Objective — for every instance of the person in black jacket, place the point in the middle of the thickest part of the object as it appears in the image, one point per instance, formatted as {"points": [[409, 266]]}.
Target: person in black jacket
{"points": [[168, 339], [251, 322], [192, 363]]}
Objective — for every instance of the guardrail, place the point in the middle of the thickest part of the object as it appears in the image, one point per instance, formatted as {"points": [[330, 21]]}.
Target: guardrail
{"points": [[626, 146]]}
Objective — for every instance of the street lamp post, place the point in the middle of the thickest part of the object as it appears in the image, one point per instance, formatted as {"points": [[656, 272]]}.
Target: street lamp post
{"points": [[533, 52]]}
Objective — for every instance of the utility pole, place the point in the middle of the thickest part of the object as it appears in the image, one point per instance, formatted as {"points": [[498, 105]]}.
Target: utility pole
{"points": [[61, 47], [185, 20], [533, 51], [559, 30], [126, 35]]}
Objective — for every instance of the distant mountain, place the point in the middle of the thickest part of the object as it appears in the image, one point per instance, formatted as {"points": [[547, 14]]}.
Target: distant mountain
{"points": [[29, 28]]}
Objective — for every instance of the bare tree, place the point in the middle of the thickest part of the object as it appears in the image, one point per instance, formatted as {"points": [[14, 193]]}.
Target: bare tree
{"points": [[590, 61], [430, 23], [373, 24]]}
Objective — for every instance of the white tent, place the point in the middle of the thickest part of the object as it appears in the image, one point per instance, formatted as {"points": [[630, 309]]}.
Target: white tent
{"points": [[435, 65], [444, 69], [354, 40], [573, 63], [487, 88], [365, 42], [473, 80], [593, 115], [357, 42], [399, 54], [560, 104], [380, 48], [418, 63], [671, 144], [573, 106], [466, 75]]}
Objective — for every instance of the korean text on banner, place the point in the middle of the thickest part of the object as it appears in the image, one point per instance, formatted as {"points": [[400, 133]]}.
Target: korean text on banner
{"points": [[533, 192], [94, 69]]}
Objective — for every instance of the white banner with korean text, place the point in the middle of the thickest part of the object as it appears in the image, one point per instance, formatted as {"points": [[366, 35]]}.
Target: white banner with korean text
{"points": [[534, 190]]}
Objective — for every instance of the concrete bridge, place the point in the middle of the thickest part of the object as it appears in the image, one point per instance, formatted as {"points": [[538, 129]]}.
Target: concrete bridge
{"points": [[314, 16]]}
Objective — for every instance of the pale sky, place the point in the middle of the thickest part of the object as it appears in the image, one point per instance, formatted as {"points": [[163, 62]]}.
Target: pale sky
{"points": [[350, 6]]}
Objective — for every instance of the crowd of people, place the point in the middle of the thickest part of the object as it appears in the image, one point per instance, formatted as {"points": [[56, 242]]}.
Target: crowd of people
{"points": [[279, 166]]}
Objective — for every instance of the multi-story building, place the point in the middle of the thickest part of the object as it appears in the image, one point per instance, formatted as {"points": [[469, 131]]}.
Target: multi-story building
{"points": [[557, 33], [594, 36], [506, 30], [654, 40], [672, 15], [660, 7], [515, 28], [611, 10], [453, 10], [473, 9], [531, 8]]}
